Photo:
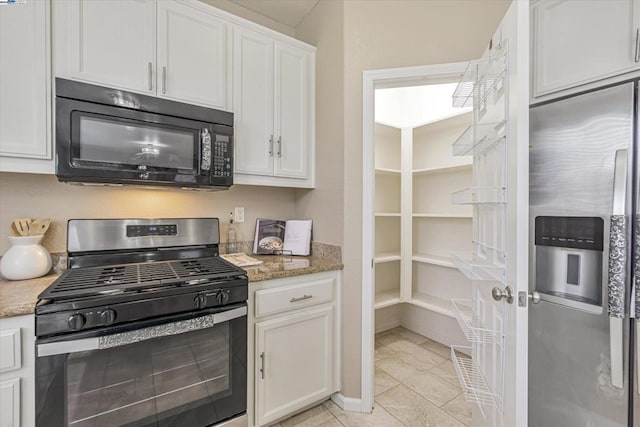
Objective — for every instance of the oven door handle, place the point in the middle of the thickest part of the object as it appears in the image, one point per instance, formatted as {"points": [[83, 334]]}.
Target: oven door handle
{"points": [[130, 337]]}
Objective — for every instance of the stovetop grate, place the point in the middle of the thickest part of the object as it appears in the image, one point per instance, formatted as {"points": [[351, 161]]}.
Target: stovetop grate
{"points": [[91, 281]]}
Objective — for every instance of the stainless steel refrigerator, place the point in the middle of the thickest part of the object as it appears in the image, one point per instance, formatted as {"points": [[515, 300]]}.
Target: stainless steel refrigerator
{"points": [[585, 248]]}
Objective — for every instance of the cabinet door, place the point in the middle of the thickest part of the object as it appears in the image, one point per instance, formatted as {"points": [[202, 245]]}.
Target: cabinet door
{"points": [[24, 80], [294, 362], [292, 108], [581, 41], [253, 102], [112, 42], [10, 403], [192, 55]]}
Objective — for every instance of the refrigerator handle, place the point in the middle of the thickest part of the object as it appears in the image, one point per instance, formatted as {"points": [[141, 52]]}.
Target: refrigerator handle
{"points": [[618, 268]]}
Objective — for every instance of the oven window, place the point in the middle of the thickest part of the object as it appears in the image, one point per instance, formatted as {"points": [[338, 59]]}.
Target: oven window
{"points": [[135, 143], [152, 383]]}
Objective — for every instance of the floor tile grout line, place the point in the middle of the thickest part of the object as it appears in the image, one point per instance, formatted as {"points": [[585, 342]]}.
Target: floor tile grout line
{"points": [[388, 411]]}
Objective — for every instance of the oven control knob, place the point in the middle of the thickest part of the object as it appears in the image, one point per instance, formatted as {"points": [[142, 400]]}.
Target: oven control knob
{"points": [[108, 317], [76, 321], [223, 297], [201, 301]]}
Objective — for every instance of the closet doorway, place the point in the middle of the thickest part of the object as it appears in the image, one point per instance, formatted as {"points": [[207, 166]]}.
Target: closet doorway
{"points": [[412, 230]]}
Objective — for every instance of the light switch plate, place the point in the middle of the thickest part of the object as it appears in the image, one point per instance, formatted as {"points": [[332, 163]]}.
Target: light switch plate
{"points": [[238, 215]]}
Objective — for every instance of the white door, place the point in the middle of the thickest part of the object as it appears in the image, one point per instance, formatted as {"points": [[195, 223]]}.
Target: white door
{"points": [[294, 362], [112, 43], [292, 103], [24, 80], [496, 376], [192, 55], [580, 41], [253, 102]]}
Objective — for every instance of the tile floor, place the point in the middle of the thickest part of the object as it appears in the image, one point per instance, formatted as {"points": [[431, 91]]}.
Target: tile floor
{"points": [[416, 386]]}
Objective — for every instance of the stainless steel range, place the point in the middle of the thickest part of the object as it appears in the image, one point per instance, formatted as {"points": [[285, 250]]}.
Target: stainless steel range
{"points": [[147, 327]]}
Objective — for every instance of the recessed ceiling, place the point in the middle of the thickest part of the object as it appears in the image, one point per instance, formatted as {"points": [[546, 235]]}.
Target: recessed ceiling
{"points": [[288, 12], [416, 105]]}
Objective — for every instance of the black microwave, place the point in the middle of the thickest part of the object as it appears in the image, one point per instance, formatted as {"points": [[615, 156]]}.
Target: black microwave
{"points": [[110, 136]]}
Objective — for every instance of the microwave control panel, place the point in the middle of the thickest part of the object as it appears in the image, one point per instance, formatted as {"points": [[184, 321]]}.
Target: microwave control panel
{"points": [[222, 159]]}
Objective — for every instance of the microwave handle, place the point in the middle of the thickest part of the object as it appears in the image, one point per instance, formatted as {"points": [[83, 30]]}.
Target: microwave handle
{"points": [[143, 334], [205, 162]]}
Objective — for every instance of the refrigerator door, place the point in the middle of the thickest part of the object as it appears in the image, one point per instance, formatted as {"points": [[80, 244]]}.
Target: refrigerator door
{"points": [[581, 162]]}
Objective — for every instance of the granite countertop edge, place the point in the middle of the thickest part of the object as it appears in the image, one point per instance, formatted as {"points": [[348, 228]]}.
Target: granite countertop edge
{"points": [[18, 298]]}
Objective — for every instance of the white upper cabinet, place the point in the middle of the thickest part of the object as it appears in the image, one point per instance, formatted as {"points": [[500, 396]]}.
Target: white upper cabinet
{"points": [[576, 42], [253, 103], [25, 101], [192, 55], [110, 43], [292, 104], [273, 105], [172, 49]]}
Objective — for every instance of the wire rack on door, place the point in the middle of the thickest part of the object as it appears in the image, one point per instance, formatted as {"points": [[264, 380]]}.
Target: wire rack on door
{"points": [[483, 86], [473, 327], [473, 383]]}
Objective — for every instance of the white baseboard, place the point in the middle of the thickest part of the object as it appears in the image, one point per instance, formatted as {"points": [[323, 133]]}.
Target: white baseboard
{"points": [[350, 404], [387, 318]]}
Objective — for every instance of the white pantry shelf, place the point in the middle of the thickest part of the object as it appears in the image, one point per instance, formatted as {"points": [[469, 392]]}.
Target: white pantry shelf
{"points": [[387, 298], [432, 303], [387, 214], [442, 261], [386, 171], [443, 169], [444, 216], [387, 257]]}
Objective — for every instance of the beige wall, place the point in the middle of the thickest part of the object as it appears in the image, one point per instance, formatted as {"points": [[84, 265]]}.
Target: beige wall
{"points": [[250, 15], [42, 196], [323, 28], [381, 34]]}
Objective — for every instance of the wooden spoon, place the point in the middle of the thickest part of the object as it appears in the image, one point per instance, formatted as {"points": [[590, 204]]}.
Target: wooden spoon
{"points": [[39, 227], [22, 225]]}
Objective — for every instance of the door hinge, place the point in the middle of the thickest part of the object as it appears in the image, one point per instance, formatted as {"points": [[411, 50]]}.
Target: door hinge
{"points": [[372, 262]]}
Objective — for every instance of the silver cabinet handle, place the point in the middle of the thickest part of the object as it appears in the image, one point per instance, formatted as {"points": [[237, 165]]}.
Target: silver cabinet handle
{"points": [[164, 79], [262, 365], [637, 53], [279, 146], [302, 298], [271, 146], [150, 69], [617, 274]]}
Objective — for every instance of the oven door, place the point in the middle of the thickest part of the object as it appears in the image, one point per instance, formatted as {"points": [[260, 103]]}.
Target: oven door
{"points": [[110, 144], [187, 372]]}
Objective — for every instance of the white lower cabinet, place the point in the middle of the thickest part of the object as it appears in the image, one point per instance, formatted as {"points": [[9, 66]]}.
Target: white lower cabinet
{"points": [[296, 352], [294, 363], [17, 365]]}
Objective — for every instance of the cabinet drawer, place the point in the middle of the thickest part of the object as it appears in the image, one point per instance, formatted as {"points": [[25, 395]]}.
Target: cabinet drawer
{"points": [[291, 297], [10, 356]]}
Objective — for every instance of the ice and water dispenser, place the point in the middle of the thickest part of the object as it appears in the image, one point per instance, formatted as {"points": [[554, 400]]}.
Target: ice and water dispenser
{"points": [[568, 259]]}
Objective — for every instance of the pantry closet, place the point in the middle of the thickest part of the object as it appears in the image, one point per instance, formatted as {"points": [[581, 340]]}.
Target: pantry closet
{"points": [[418, 228]]}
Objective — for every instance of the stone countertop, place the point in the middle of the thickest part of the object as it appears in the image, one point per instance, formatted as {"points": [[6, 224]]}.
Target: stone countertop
{"points": [[18, 298], [276, 266]]}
